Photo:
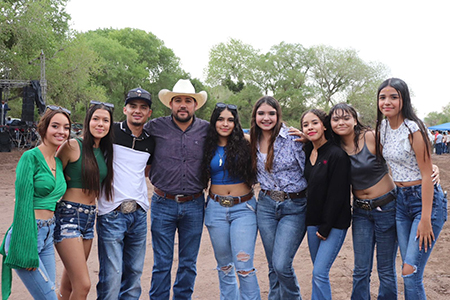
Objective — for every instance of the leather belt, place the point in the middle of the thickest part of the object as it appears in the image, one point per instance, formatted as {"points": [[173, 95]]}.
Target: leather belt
{"points": [[229, 201], [177, 198], [368, 204], [281, 196]]}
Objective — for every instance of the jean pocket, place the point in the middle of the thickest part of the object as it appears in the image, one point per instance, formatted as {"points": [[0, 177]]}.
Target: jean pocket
{"points": [[389, 207], [252, 205], [299, 204]]}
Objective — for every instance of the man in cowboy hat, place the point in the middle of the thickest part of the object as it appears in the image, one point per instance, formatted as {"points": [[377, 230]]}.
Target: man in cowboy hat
{"points": [[178, 201], [122, 221]]}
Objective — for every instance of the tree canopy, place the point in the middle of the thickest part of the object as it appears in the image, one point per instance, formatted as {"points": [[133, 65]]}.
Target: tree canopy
{"points": [[104, 64]]}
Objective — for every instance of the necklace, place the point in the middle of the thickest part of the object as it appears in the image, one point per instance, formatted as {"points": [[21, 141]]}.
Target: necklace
{"points": [[220, 159]]}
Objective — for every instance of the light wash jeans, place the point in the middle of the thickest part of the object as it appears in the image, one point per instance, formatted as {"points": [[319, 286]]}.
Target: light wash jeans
{"points": [[40, 282], [121, 253], [167, 217], [323, 254], [370, 228], [409, 212], [233, 235], [282, 228]]}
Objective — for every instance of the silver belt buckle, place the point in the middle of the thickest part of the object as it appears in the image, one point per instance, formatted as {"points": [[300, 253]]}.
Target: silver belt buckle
{"points": [[178, 196], [128, 207], [227, 201], [277, 195]]}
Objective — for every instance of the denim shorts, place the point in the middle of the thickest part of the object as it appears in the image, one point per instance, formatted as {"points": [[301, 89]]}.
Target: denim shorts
{"points": [[74, 220]]}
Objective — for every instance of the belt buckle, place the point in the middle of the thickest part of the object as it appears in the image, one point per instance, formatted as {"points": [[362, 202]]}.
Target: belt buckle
{"points": [[277, 195], [363, 204], [227, 201], [177, 198], [128, 207]]}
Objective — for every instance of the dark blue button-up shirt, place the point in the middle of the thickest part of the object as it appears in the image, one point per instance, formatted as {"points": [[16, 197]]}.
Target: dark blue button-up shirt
{"points": [[176, 165]]}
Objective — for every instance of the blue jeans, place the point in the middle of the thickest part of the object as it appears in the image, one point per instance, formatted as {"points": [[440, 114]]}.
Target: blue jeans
{"points": [[233, 235], [282, 228], [323, 254], [439, 147], [409, 212], [41, 282], [370, 228], [167, 217], [121, 254]]}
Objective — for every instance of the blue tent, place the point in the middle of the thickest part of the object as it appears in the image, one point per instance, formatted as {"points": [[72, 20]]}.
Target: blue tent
{"points": [[445, 126]]}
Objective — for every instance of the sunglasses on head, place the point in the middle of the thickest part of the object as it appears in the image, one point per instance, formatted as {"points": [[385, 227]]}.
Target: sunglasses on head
{"points": [[55, 107], [134, 94], [110, 105], [229, 106]]}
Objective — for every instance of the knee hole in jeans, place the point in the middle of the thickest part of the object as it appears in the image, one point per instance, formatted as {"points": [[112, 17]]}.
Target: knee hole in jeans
{"points": [[226, 269], [408, 270], [246, 273], [242, 256]]}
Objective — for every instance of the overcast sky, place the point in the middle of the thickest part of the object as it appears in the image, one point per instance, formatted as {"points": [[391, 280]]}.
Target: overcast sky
{"points": [[410, 37]]}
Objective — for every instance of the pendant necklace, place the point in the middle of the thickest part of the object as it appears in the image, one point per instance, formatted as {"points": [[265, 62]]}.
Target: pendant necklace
{"points": [[220, 160]]}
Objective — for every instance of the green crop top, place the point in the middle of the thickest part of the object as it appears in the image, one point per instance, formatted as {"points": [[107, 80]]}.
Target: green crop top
{"points": [[73, 169], [36, 188]]}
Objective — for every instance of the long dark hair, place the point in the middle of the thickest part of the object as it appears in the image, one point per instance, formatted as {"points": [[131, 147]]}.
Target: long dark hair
{"points": [[255, 132], [89, 167], [237, 150], [359, 128], [407, 111]]}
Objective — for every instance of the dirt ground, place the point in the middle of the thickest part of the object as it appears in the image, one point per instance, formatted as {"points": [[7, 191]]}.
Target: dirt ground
{"points": [[436, 279]]}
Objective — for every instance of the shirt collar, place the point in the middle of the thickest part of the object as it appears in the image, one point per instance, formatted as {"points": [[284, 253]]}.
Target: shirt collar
{"points": [[124, 127], [284, 131]]}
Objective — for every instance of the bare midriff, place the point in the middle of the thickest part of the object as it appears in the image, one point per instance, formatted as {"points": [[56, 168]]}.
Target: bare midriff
{"points": [[379, 189], [235, 190], [78, 196]]}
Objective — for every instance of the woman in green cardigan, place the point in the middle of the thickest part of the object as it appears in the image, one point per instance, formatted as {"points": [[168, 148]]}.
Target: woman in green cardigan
{"points": [[28, 244]]}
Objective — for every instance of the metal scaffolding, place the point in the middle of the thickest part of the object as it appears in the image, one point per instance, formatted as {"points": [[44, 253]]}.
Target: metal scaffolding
{"points": [[7, 85]]}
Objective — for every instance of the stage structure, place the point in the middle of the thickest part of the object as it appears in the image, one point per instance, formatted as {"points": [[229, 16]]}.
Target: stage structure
{"points": [[22, 133]]}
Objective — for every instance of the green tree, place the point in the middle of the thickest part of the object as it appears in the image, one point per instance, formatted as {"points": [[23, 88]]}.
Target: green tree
{"points": [[130, 58], [335, 72], [231, 64], [436, 118], [26, 28]]}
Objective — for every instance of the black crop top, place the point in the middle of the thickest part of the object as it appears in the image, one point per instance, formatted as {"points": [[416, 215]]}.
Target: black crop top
{"points": [[366, 170]]}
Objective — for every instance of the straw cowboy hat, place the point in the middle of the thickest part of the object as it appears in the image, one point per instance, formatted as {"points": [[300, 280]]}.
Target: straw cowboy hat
{"points": [[185, 88]]}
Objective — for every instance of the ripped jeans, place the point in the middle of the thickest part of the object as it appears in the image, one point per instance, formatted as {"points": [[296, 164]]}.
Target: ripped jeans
{"points": [[233, 235], [409, 213], [74, 220], [40, 282]]}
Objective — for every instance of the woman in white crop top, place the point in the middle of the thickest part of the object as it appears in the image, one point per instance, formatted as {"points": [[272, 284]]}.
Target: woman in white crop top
{"points": [[421, 207]]}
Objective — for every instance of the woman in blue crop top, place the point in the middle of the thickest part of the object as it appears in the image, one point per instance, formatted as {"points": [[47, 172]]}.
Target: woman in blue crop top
{"points": [[230, 214], [421, 207], [279, 162], [28, 244], [88, 170]]}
